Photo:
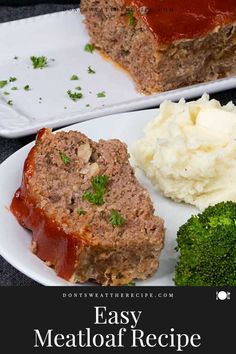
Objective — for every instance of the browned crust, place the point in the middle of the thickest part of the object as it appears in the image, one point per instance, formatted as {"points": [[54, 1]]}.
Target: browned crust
{"points": [[156, 67]]}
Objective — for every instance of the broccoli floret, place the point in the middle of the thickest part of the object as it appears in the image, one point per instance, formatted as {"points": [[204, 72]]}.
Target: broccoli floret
{"points": [[207, 247]]}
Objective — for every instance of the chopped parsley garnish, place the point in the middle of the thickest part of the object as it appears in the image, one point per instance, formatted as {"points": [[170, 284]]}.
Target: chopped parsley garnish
{"points": [[74, 77], [3, 83], [131, 283], [91, 71], [27, 88], [78, 88], [16, 58], [89, 48], [87, 105], [116, 219], [14, 88], [10, 103], [132, 19], [39, 62], [81, 211], [6, 93], [12, 79], [101, 94], [75, 96], [64, 158], [99, 184]]}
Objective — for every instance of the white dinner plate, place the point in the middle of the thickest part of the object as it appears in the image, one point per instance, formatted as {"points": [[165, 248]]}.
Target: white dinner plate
{"points": [[61, 38], [15, 240]]}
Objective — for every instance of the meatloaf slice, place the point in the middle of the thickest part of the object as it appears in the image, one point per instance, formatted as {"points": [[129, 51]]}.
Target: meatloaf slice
{"points": [[91, 219], [165, 44]]}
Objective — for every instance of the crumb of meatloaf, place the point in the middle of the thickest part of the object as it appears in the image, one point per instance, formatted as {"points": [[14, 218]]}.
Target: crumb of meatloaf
{"points": [[34, 247], [155, 66], [65, 164]]}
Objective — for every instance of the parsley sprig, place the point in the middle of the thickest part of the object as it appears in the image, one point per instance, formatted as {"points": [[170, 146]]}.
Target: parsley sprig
{"points": [[132, 19], [3, 83], [90, 70], [75, 96], [81, 211], [89, 48], [99, 184], [101, 94], [116, 219], [131, 283], [12, 79], [74, 77], [64, 158], [39, 62]]}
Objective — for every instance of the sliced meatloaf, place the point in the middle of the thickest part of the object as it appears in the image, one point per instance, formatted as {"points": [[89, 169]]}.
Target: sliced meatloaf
{"points": [[165, 44], [90, 217]]}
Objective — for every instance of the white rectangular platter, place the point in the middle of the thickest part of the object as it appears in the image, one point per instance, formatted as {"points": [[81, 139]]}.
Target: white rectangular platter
{"points": [[61, 38]]}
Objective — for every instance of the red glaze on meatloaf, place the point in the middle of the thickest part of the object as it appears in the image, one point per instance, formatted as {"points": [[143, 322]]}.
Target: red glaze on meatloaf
{"points": [[50, 242], [172, 20], [112, 240]]}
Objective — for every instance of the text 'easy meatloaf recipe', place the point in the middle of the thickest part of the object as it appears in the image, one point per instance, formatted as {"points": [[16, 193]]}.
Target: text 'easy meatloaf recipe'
{"points": [[90, 218], [165, 44]]}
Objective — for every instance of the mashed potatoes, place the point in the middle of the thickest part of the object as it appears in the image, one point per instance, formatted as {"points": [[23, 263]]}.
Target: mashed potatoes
{"points": [[189, 151]]}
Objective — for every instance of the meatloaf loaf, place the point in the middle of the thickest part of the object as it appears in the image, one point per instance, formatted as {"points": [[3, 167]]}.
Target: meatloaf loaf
{"points": [[165, 44], [90, 217]]}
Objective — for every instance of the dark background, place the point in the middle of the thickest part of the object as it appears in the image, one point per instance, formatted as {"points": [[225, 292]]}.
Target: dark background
{"points": [[191, 310], [33, 2], [12, 10]]}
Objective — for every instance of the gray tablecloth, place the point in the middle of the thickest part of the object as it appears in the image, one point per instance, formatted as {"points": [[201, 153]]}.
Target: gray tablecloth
{"points": [[8, 275]]}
